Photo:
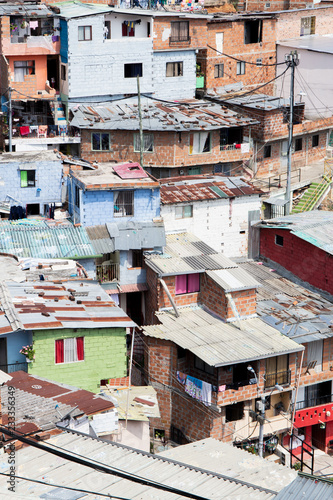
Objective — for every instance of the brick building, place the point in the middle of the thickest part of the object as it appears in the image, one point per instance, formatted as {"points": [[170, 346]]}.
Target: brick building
{"points": [[216, 208], [242, 37], [187, 137], [203, 310], [301, 243]]}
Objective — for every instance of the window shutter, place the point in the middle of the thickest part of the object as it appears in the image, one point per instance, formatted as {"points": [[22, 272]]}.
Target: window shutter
{"points": [[80, 348]]}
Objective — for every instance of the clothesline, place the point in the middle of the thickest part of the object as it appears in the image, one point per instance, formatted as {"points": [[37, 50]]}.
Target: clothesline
{"points": [[198, 389]]}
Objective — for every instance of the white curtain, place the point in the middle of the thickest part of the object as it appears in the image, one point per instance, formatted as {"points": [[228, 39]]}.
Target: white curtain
{"points": [[70, 350], [315, 353]]}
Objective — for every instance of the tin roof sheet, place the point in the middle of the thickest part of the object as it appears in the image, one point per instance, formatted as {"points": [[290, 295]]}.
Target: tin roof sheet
{"points": [[311, 488], [233, 279], [41, 239], [46, 305], [189, 115], [70, 10], [315, 226], [192, 479], [195, 188], [259, 101], [218, 343], [318, 43], [301, 314]]}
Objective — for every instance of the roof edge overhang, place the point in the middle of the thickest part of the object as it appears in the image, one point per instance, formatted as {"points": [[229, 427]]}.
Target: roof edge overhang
{"points": [[264, 356]]}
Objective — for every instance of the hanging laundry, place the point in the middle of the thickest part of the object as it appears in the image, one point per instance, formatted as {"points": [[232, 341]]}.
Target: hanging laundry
{"points": [[33, 25], [222, 388], [25, 130], [206, 393], [193, 387]]}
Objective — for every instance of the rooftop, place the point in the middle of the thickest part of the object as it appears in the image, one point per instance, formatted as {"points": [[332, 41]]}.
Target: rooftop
{"points": [[52, 305], [313, 43], [187, 116], [45, 239], [315, 227], [299, 313], [106, 177], [198, 188], [75, 9], [218, 343], [143, 402], [36, 400], [29, 156], [24, 9], [192, 479], [259, 101]]}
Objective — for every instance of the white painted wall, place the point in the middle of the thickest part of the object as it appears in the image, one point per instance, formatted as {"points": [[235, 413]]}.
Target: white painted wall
{"points": [[314, 75], [217, 222]]}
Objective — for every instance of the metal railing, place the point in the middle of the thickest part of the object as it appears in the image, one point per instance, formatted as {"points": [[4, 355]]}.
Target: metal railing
{"points": [[14, 367], [107, 272], [307, 403], [281, 378]]}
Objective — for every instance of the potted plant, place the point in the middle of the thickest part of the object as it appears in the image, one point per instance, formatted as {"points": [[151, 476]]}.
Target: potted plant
{"points": [[29, 352]]}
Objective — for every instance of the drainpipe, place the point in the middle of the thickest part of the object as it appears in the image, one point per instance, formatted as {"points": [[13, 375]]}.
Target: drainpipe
{"points": [[166, 289]]}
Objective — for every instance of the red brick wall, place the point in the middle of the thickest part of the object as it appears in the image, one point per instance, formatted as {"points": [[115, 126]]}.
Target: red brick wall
{"points": [[162, 32], [233, 45], [289, 23], [306, 261], [151, 297], [180, 300], [171, 149]]}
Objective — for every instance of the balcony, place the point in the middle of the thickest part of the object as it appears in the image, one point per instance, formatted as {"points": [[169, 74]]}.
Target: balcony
{"points": [[281, 378], [106, 273], [316, 401], [15, 367]]}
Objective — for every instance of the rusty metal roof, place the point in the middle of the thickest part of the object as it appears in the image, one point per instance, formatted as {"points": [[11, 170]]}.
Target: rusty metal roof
{"points": [[189, 115], [47, 305], [197, 188]]}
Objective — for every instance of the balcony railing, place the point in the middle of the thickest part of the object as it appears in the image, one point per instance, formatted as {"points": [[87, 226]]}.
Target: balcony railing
{"points": [[280, 378], [15, 367], [107, 272], [307, 403], [43, 131]]}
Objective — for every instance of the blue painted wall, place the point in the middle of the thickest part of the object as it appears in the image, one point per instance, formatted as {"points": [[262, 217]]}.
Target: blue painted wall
{"points": [[63, 41], [15, 342]]}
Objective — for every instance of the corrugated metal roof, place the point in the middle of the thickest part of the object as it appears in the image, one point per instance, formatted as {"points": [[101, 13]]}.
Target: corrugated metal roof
{"points": [[46, 305], [100, 239], [4, 377], [233, 280], [198, 480], [25, 9], [197, 188], [259, 101], [40, 239], [227, 459], [133, 235], [315, 226], [318, 43], [186, 116], [301, 314], [307, 488], [218, 343], [184, 254], [70, 10]]}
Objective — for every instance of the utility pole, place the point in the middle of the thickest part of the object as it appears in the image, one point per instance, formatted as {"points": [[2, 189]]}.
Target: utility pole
{"points": [[292, 61], [261, 407], [10, 120], [140, 121]]}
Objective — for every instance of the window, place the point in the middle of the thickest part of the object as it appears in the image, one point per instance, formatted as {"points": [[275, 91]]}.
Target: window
{"points": [[230, 136], [69, 350], [180, 31], [184, 212], [63, 72], [194, 170], [181, 353], [315, 141], [279, 240], [253, 31], [77, 196], [277, 371], [85, 33], [137, 260], [267, 151], [22, 69], [241, 375], [128, 28], [28, 178], [123, 203], [200, 143], [100, 141], [308, 26], [219, 42], [174, 69], [223, 168], [187, 283], [148, 29], [148, 143], [299, 144], [218, 70], [132, 70], [240, 68], [107, 30], [204, 367], [259, 62], [234, 412]]}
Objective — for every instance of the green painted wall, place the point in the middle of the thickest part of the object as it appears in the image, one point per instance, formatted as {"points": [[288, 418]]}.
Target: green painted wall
{"points": [[104, 357]]}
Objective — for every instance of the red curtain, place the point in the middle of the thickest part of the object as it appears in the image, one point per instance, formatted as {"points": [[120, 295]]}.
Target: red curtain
{"points": [[59, 351], [181, 284], [124, 29], [193, 283], [131, 32], [80, 348]]}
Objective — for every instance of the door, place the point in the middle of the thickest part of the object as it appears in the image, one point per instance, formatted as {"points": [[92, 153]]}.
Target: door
{"points": [[3, 354], [219, 42], [318, 437]]}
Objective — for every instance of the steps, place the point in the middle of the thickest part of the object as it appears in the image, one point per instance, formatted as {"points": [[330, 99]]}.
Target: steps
{"points": [[313, 195], [58, 111]]}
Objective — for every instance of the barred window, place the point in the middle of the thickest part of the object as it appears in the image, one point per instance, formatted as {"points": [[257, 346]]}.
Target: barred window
{"points": [[148, 143], [123, 203]]}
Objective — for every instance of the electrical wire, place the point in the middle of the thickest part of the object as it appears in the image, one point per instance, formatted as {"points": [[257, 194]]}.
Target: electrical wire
{"points": [[242, 60], [52, 485]]}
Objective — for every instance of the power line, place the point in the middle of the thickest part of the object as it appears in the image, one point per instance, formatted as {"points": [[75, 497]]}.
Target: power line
{"points": [[242, 60]]}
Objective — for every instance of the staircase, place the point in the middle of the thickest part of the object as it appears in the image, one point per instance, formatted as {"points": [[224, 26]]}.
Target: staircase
{"points": [[58, 111], [313, 195]]}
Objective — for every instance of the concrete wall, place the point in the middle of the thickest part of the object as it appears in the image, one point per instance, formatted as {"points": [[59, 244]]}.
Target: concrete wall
{"points": [[222, 224], [129, 274], [104, 356], [180, 87], [97, 207], [47, 187]]}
